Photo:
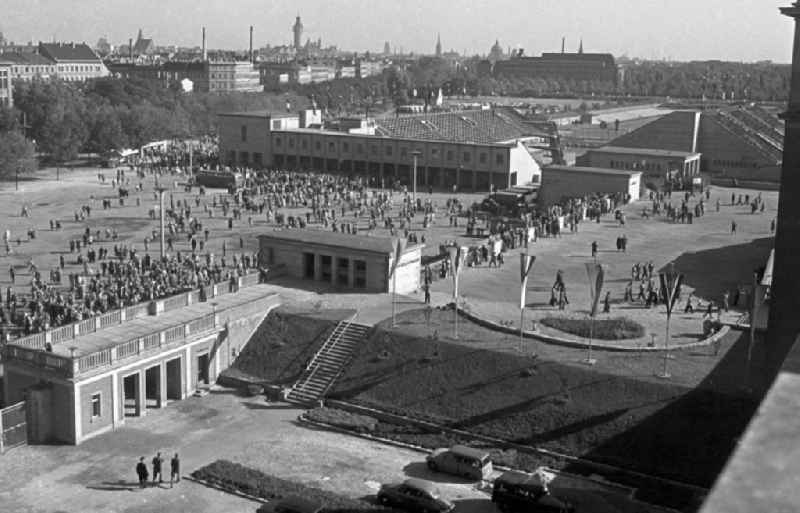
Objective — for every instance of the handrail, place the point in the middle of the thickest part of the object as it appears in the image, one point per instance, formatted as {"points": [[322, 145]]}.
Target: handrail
{"points": [[331, 342]]}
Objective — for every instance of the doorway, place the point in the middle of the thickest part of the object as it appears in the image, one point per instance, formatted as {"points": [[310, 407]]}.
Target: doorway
{"points": [[130, 395], [202, 369], [308, 266], [152, 387], [174, 381]]}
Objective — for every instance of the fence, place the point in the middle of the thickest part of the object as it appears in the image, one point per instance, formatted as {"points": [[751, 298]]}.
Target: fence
{"points": [[13, 427], [30, 348]]}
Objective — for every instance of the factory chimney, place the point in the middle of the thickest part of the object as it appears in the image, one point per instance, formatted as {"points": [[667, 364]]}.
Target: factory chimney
{"points": [[130, 49], [205, 55], [251, 44], [563, 43]]}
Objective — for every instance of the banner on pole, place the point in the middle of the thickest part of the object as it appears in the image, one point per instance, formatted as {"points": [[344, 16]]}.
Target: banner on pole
{"points": [[457, 257], [596, 273], [670, 288], [399, 248], [525, 266]]}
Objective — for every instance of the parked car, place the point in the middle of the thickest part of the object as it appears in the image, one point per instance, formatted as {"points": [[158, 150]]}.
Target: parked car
{"points": [[291, 504], [462, 461], [521, 492], [414, 495]]}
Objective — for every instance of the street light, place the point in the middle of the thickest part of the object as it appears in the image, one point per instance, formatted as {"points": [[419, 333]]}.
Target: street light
{"points": [[161, 190], [415, 154]]}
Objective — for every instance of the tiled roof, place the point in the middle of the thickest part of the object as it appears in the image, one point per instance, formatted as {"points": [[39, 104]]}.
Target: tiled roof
{"points": [[477, 126], [33, 59], [63, 52], [368, 243], [142, 45], [643, 151]]}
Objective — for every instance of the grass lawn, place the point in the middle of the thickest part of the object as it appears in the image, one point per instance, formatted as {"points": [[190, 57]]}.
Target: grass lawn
{"points": [[618, 328], [615, 412], [283, 343]]}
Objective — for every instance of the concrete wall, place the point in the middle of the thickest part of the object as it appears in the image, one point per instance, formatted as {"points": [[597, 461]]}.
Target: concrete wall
{"points": [[230, 138], [559, 184], [91, 424], [524, 165]]}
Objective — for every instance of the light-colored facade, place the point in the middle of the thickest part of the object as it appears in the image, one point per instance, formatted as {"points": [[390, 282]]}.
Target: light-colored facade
{"points": [[651, 162], [6, 86], [359, 262], [559, 182], [74, 62], [256, 140], [106, 369]]}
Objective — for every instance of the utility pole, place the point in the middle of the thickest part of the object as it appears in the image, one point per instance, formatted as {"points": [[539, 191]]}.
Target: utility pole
{"points": [[415, 154]]}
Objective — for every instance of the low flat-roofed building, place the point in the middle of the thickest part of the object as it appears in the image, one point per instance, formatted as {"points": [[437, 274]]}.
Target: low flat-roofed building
{"points": [[360, 262], [6, 86], [560, 182], [650, 161]]}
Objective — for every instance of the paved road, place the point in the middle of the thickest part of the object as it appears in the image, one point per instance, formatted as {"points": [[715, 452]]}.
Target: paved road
{"points": [[98, 476]]}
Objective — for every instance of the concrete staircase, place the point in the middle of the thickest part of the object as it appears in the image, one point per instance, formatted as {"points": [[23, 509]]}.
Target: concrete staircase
{"points": [[328, 363]]}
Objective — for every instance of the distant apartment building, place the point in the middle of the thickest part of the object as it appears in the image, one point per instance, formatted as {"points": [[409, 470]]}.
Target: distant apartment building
{"points": [[73, 61], [6, 86], [30, 66], [274, 73], [589, 67], [214, 76], [366, 69]]}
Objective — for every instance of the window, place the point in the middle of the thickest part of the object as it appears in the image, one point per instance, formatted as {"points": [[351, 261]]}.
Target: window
{"points": [[403, 152], [304, 144], [318, 145], [360, 148], [244, 133], [95, 405], [291, 142], [483, 157], [345, 147], [450, 155], [332, 146], [374, 149], [388, 151], [498, 159], [278, 141], [466, 156], [435, 153]]}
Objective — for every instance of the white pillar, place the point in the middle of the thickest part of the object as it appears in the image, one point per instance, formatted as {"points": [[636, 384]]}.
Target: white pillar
{"points": [[188, 378], [114, 399], [78, 418], [162, 384]]}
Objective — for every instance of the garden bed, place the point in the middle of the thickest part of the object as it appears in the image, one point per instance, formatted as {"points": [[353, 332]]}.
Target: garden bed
{"points": [[235, 477], [618, 328]]}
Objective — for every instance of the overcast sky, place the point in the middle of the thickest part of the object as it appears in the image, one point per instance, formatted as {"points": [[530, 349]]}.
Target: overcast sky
{"points": [[740, 30]]}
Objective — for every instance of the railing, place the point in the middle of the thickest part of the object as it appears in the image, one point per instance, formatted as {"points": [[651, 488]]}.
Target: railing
{"points": [[127, 349], [176, 333], [115, 317], [39, 358], [201, 325], [151, 341]]}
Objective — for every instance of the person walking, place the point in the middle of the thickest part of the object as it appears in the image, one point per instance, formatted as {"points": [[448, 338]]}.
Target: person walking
{"points": [[772, 226], [726, 302], [594, 249], [607, 302], [157, 462], [427, 293], [141, 471], [733, 227], [175, 470]]}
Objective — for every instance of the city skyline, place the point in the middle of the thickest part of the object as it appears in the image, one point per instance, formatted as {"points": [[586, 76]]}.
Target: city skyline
{"points": [[724, 30]]}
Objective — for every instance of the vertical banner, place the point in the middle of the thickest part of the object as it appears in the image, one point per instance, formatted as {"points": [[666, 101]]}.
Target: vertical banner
{"points": [[596, 273], [670, 288], [525, 266], [456, 256], [399, 248]]}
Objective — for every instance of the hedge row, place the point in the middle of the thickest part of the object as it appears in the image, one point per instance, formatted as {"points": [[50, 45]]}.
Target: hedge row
{"points": [[236, 477]]}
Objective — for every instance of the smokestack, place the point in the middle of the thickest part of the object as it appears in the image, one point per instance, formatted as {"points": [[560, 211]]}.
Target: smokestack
{"points": [[205, 55], [130, 48], [563, 43], [251, 44]]}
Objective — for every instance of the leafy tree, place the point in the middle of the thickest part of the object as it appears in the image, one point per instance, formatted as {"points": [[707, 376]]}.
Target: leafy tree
{"points": [[16, 154]]}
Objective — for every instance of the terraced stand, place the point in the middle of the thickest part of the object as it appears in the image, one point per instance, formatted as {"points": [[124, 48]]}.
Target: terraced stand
{"points": [[328, 363]]}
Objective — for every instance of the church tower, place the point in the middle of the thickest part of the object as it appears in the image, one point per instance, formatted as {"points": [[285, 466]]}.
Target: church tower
{"points": [[580, 48], [438, 45], [298, 33]]}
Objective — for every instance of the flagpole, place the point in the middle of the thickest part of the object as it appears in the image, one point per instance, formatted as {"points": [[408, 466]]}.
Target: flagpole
{"points": [[751, 342], [455, 307], [394, 299], [589, 359], [664, 374], [521, 326]]}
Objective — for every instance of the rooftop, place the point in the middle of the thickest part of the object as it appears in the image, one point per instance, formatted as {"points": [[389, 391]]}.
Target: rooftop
{"points": [[26, 58], [143, 326], [68, 52], [367, 243], [591, 170], [644, 151], [260, 114], [474, 126]]}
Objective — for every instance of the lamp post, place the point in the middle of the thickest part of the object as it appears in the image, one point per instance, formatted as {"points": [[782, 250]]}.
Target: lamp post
{"points": [[161, 191], [415, 154]]}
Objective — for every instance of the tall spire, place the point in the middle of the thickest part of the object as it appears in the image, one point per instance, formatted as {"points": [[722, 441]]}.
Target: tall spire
{"points": [[438, 45], [580, 48]]}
